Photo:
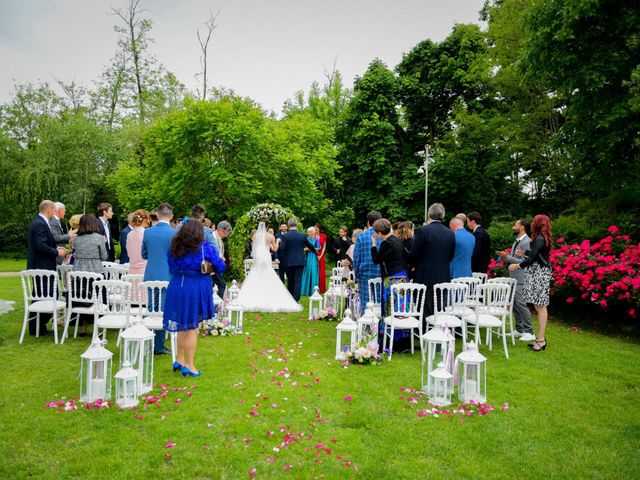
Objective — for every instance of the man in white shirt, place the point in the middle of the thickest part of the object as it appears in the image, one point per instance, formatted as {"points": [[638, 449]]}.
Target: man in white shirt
{"points": [[105, 213]]}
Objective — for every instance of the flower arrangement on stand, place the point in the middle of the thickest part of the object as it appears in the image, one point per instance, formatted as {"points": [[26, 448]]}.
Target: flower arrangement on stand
{"points": [[219, 328], [329, 314]]}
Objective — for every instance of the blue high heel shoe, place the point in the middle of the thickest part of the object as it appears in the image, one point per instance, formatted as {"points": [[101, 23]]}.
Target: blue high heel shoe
{"points": [[176, 366], [186, 371]]}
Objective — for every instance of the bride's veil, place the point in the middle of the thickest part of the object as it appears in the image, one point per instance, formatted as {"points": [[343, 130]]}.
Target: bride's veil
{"points": [[259, 250]]}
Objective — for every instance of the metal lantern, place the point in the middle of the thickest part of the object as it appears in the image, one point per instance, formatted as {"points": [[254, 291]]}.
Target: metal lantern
{"points": [[347, 325], [472, 375], [137, 349], [234, 291], [368, 319], [440, 348], [95, 373], [126, 386], [315, 304], [442, 382], [331, 299]]}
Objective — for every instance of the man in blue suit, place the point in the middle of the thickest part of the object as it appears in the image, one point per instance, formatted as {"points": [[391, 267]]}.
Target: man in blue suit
{"points": [[465, 243], [294, 243], [155, 249]]}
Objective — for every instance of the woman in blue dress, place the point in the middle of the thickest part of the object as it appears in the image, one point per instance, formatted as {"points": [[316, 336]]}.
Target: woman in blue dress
{"points": [[311, 273], [189, 298]]}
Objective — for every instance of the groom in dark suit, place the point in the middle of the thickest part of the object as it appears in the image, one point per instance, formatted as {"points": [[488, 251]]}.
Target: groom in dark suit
{"points": [[282, 258], [42, 252], [293, 244]]}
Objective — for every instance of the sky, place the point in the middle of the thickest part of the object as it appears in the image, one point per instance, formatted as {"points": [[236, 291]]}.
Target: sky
{"points": [[266, 50]]}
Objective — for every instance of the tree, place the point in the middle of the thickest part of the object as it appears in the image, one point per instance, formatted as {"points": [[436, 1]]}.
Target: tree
{"points": [[204, 46]]}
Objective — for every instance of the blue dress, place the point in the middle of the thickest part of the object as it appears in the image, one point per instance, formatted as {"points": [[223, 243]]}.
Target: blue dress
{"points": [[189, 298], [311, 273]]}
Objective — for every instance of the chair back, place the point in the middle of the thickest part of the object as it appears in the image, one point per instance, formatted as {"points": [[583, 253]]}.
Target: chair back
{"points": [[39, 285], [482, 276], [339, 264], [63, 276], [449, 298], [138, 294], [114, 271], [375, 291], [116, 295], [408, 299], [512, 282], [156, 291], [81, 286], [472, 283], [494, 295]]}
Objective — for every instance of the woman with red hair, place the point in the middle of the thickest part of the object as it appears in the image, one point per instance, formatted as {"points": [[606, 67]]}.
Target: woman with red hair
{"points": [[537, 278]]}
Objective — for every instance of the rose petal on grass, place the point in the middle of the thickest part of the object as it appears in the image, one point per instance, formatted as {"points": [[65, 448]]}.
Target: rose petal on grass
{"points": [[287, 467], [170, 445], [251, 472], [348, 398]]}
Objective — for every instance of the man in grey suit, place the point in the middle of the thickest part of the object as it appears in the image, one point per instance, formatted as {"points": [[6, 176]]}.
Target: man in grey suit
{"points": [[524, 328], [57, 228]]}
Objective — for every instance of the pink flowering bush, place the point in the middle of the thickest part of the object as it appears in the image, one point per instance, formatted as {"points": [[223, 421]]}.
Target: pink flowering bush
{"points": [[604, 273]]}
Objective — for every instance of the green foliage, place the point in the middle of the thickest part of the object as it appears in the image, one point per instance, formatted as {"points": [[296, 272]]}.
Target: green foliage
{"points": [[237, 243], [501, 234]]}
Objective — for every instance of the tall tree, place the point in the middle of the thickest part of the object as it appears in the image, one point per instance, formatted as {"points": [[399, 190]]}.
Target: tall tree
{"points": [[204, 40]]}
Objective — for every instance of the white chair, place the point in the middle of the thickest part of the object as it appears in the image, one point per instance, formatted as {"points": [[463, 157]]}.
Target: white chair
{"points": [[115, 312], [483, 277], [80, 291], [513, 282], [491, 313], [63, 276], [40, 292], [407, 306], [114, 271], [375, 295], [248, 263], [448, 306], [138, 294], [152, 312], [473, 299]]}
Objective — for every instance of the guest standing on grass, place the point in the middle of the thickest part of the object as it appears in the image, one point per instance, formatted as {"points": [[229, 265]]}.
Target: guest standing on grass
{"points": [[155, 248], [90, 252], [465, 244], [190, 292], [363, 265], [322, 260], [310, 273], [139, 222], [537, 275], [391, 258]]}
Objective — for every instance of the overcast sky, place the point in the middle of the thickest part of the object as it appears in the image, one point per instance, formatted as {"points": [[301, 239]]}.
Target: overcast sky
{"points": [[266, 50]]}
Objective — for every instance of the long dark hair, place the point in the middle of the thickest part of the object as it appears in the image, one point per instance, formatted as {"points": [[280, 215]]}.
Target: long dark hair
{"points": [[88, 224], [188, 239]]}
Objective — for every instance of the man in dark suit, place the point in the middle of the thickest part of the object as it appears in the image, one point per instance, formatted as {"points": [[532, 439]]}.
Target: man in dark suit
{"points": [[432, 251], [42, 252], [105, 212], [294, 243], [124, 256], [282, 258], [482, 251], [60, 234]]}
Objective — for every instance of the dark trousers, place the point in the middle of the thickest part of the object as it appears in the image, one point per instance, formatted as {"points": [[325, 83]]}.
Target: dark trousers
{"points": [[219, 282], [281, 271], [294, 280]]}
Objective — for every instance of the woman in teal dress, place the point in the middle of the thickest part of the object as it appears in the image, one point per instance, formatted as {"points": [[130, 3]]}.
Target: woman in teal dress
{"points": [[310, 273]]}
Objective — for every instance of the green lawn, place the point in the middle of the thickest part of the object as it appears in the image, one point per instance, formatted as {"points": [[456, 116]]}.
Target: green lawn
{"points": [[12, 265], [573, 412]]}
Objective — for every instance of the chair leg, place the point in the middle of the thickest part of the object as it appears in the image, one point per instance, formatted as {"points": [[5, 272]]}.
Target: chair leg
{"points": [[513, 339], [65, 330], [75, 330], [55, 326], [412, 348], [37, 325], [24, 324], [391, 341], [384, 337]]}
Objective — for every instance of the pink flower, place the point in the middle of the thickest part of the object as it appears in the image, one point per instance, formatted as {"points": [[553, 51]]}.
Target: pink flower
{"points": [[170, 445], [570, 299], [252, 472], [613, 230], [287, 467]]}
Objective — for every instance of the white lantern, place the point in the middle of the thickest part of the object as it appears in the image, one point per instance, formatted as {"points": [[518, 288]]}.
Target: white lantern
{"points": [[331, 299], [95, 373], [440, 348], [442, 382], [234, 291], [472, 375], [348, 326], [126, 386], [137, 349], [368, 319], [315, 304]]}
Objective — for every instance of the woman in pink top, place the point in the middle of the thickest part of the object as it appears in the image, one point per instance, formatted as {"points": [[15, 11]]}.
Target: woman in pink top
{"points": [[140, 221]]}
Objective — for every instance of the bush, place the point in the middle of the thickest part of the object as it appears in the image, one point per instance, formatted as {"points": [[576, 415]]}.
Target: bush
{"points": [[13, 237], [501, 234]]}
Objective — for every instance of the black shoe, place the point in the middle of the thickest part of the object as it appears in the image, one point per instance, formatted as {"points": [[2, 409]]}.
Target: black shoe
{"points": [[166, 351], [538, 346]]}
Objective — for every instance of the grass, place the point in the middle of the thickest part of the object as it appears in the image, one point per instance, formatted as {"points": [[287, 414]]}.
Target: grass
{"points": [[572, 414], [12, 265]]}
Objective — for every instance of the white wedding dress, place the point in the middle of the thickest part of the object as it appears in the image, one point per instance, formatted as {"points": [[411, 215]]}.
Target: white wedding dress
{"points": [[262, 290]]}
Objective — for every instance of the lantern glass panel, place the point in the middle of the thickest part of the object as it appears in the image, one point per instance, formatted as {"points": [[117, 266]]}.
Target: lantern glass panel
{"points": [[147, 365]]}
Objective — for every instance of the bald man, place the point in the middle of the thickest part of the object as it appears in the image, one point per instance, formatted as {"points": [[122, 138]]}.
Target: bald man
{"points": [[465, 243]]}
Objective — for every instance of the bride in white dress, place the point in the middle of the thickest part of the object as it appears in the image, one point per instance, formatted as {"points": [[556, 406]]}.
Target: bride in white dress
{"points": [[262, 290]]}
